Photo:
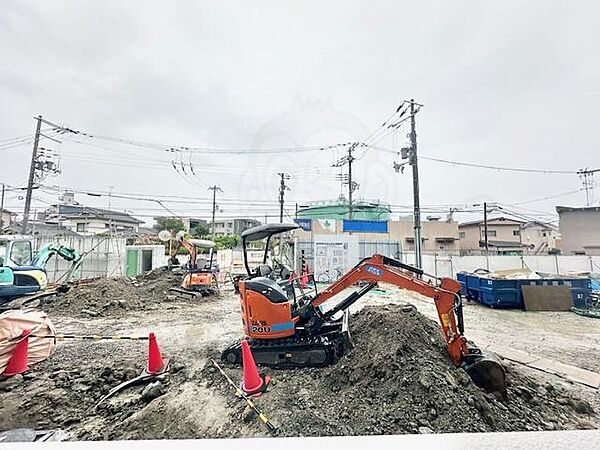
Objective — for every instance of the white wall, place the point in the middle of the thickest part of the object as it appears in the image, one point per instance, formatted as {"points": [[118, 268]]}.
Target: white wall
{"points": [[159, 258], [448, 266]]}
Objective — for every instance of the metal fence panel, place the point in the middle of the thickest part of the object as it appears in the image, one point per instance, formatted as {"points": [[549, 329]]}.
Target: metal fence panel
{"points": [[106, 257]]}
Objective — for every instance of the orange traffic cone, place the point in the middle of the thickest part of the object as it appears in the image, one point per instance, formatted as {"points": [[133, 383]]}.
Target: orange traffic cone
{"points": [[18, 360], [155, 360], [254, 383]]}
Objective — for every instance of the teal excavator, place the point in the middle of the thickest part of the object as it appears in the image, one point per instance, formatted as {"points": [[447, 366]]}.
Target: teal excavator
{"points": [[23, 274]]}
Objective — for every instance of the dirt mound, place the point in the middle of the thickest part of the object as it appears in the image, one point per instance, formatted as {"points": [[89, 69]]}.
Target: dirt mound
{"points": [[399, 379], [61, 391], [109, 296]]}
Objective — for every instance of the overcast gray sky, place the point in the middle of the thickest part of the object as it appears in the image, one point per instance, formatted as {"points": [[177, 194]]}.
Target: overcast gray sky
{"points": [[503, 83]]}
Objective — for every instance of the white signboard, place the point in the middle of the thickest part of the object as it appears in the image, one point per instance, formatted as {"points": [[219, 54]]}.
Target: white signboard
{"points": [[334, 256]]}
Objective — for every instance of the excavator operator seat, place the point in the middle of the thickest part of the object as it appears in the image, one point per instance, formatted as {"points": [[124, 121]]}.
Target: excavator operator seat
{"points": [[201, 263], [264, 270], [268, 288]]}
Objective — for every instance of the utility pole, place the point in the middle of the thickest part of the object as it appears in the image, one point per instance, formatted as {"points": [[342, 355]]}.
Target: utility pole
{"points": [[110, 229], [417, 206], [214, 188], [587, 179], [410, 153], [282, 189], [2, 209], [32, 168], [485, 231], [352, 186], [296, 214]]}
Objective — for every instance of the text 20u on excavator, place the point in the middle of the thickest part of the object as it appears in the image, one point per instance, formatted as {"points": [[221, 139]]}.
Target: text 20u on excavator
{"points": [[286, 330]]}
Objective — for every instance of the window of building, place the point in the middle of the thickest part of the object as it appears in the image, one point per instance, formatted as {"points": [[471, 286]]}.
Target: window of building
{"points": [[461, 235], [544, 234], [81, 227], [490, 233], [516, 232]]}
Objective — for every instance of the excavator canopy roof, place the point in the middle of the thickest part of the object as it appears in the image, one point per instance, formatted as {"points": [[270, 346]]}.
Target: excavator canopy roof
{"points": [[203, 243], [264, 231]]}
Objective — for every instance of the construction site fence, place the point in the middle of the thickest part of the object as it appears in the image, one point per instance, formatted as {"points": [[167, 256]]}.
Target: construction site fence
{"points": [[106, 257], [449, 265], [443, 264]]}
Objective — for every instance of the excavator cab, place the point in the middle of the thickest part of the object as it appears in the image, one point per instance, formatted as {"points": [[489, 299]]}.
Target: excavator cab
{"points": [[267, 296], [258, 234]]}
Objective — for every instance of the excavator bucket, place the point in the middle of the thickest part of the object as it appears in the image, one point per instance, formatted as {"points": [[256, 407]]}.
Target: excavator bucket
{"points": [[487, 373]]}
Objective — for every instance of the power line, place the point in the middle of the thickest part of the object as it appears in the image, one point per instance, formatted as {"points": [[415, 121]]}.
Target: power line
{"points": [[173, 148], [483, 166], [144, 161], [138, 196], [231, 202], [526, 218], [547, 198], [239, 203], [512, 169], [387, 127]]}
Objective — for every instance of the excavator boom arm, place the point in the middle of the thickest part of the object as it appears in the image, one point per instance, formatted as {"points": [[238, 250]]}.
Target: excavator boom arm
{"points": [[47, 251], [182, 242], [380, 269]]}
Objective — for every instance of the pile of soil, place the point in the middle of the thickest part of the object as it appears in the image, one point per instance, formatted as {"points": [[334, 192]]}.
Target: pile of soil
{"points": [[61, 391], [399, 379], [111, 296]]}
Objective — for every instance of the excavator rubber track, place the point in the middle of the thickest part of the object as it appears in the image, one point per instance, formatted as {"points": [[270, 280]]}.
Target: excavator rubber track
{"points": [[303, 350]]}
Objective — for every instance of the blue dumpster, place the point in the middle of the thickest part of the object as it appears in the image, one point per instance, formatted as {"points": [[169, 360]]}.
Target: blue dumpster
{"points": [[501, 293], [473, 282], [506, 293], [461, 277]]}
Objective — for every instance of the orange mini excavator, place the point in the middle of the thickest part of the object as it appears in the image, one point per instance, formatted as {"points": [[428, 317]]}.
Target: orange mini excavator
{"points": [[289, 330], [200, 277]]}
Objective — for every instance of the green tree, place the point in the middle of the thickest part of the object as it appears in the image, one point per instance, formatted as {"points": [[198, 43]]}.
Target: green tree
{"points": [[169, 223], [225, 242], [200, 231]]}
